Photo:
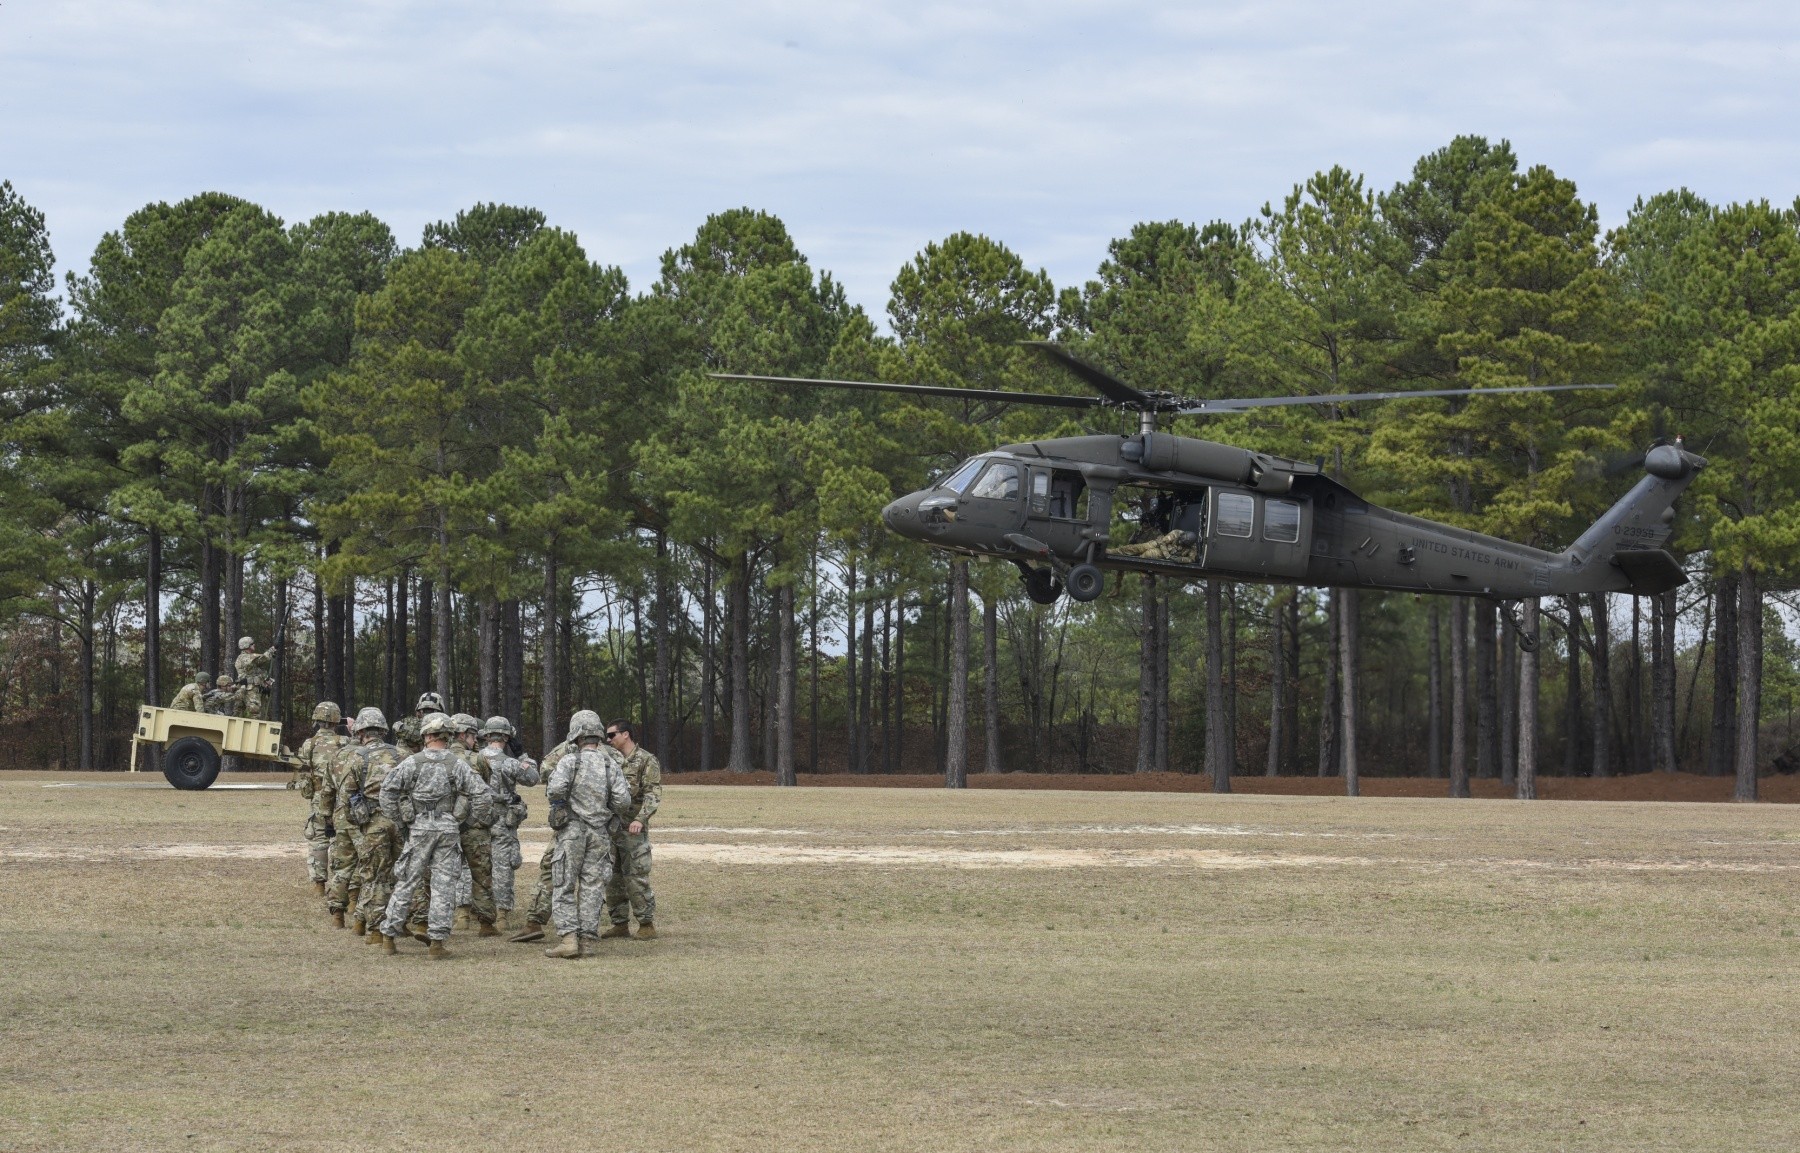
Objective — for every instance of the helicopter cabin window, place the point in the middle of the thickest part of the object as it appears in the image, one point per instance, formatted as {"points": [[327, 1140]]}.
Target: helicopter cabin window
{"points": [[1281, 521], [1234, 515], [959, 480], [999, 482], [1068, 494]]}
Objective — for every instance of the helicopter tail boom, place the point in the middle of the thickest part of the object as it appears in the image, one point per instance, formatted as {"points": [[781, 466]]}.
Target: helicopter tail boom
{"points": [[1623, 550]]}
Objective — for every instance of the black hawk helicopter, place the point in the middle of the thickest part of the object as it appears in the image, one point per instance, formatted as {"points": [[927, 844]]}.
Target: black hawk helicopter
{"points": [[1216, 510]]}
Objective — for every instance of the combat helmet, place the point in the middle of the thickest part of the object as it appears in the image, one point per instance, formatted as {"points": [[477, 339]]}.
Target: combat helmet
{"points": [[498, 727], [584, 717], [328, 712], [203, 678], [246, 643], [584, 727], [465, 723], [438, 725], [429, 702], [369, 718]]}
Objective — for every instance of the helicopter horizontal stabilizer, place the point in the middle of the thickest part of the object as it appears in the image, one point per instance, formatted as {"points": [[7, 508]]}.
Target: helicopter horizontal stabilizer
{"points": [[1650, 571]]}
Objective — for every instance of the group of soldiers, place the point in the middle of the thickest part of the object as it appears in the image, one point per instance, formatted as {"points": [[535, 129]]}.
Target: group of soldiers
{"points": [[414, 828], [242, 697]]}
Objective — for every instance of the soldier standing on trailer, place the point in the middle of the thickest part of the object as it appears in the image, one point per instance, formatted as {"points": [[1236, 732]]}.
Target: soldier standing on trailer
{"points": [[253, 675]]}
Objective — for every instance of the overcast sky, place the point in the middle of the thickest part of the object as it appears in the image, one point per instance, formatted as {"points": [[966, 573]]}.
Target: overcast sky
{"points": [[870, 128]]}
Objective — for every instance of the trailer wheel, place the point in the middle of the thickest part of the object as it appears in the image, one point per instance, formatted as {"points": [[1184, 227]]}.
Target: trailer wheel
{"points": [[190, 763]]}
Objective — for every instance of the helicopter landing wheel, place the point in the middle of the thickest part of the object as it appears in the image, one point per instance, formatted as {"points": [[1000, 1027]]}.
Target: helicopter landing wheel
{"points": [[1086, 582], [1042, 586]]}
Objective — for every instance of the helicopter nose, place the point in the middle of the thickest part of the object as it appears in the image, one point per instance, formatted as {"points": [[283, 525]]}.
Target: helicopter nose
{"points": [[902, 515]]}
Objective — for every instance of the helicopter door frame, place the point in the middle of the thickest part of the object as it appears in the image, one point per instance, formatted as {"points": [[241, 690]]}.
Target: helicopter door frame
{"points": [[980, 516], [1263, 536], [1065, 534]]}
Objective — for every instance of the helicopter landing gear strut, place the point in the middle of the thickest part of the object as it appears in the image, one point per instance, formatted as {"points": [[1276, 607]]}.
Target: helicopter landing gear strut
{"points": [[1528, 642]]}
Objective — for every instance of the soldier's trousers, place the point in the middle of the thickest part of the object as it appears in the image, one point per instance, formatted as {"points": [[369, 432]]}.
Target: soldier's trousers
{"points": [[628, 892], [377, 848], [343, 861], [477, 851], [581, 866], [507, 858], [429, 852], [540, 899], [318, 845]]}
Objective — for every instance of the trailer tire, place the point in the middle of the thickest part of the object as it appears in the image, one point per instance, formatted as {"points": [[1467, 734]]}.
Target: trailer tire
{"points": [[190, 763]]}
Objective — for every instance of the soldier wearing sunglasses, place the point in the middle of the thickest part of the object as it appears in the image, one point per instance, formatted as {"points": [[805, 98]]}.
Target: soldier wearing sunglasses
{"points": [[628, 890]]}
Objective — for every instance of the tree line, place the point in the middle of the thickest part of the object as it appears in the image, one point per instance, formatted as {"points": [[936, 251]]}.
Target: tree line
{"points": [[484, 464]]}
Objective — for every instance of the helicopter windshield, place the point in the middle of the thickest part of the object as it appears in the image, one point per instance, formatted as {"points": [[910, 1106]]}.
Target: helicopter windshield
{"points": [[959, 480]]}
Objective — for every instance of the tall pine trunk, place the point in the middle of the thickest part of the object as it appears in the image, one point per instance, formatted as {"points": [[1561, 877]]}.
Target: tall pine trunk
{"points": [[740, 759], [1459, 697], [990, 676], [1218, 757], [153, 619], [1600, 608], [1575, 736], [1662, 681], [1634, 692], [422, 639], [866, 709], [1722, 748], [784, 685], [659, 697], [512, 662], [547, 703], [488, 673], [1351, 647], [85, 641], [1330, 706], [1749, 682], [956, 747], [1434, 702], [851, 699], [1165, 713], [1278, 683], [1509, 709], [402, 649], [1487, 702], [1146, 751], [1526, 787], [709, 671]]}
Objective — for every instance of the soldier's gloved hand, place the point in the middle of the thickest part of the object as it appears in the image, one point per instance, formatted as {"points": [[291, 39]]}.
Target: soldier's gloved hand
{"points": [[293, 783], [330, 829]]}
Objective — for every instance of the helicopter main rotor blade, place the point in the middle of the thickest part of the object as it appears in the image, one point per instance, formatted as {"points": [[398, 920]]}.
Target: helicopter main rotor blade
{"points": [[1243, 404], [1046, 399], [1098, 379]]}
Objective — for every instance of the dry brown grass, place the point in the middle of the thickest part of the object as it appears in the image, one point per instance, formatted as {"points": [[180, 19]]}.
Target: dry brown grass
{"points": [[915, 969]]}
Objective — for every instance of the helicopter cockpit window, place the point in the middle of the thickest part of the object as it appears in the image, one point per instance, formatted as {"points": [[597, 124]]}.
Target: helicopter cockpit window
{"points": [[1281, 521], [999, 482], [1234, 515], [959, 480]]}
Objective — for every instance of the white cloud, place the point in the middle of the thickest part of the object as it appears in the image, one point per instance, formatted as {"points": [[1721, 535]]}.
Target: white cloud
{"points": [[872, 127]]}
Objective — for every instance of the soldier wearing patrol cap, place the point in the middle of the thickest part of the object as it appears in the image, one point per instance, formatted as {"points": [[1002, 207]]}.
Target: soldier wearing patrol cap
{"points": [[312, 767]]}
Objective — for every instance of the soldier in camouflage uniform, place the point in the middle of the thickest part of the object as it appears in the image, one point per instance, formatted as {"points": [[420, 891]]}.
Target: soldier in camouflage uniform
{"points": [[628, 891], [253, 675], [374, 837], [225, 700], [589, 785], [474, 892], [1177, 545], [406, 732], [435, 783], [311, 775], [192, 696], [539, 913], [505, 774]]}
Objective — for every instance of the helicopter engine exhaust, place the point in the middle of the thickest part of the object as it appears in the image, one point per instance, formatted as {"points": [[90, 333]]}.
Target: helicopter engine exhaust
{"points": [[1162, 452]]}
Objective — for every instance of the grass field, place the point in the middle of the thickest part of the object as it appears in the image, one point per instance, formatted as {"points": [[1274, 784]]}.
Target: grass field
{"points": [[915, 969]]}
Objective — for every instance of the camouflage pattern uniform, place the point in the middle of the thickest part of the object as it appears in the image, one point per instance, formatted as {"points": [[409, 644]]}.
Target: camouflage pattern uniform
{"points": [[252, 676], [1179, 545], [539, 913], [358, 775], [474, 886], [590, 784], [407, 730], [505, 774], [628, 892], [192, 696], [225, 700], [316, 757], [433, 781]]}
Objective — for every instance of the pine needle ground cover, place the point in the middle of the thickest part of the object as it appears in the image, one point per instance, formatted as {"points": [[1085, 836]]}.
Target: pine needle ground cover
{"points": [[915, 969]]}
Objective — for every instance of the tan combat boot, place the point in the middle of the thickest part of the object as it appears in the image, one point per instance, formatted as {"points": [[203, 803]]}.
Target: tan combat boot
{"points": [[531, 932], [375, 937], [569, 947], [646, 931], [318, 888], [487, 929], [462, 917], [337, 918], [621, 929], [437, 952], [358, 925], [387, 946]]}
